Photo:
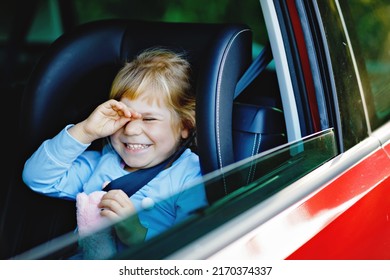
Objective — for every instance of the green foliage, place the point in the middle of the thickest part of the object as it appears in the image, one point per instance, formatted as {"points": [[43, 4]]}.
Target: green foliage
{"points": [[239, 11]]}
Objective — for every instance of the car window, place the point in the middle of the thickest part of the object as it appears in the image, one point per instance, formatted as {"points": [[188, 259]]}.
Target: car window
{"points": [[254, 179], [25, 35], [177, 11], [370, 25]]}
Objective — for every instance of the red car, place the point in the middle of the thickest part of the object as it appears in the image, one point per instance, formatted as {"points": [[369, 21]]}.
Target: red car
{"points": [[296, 166]]}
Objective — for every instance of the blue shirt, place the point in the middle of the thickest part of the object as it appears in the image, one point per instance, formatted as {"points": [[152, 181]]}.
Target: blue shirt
{"points": [[63, 167]]}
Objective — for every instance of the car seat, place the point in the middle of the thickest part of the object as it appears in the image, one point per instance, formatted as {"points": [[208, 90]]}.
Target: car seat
{"points": [[75, 75]]}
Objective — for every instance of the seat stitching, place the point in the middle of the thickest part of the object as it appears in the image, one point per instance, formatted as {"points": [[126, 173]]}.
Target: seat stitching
{"points": [[218, 107]]}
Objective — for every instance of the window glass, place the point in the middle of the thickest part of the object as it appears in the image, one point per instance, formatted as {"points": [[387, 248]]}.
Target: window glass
{"points": [[236, 11], [252, 181], [371, 21], [46, 25], [25, 34], [349, 113]]}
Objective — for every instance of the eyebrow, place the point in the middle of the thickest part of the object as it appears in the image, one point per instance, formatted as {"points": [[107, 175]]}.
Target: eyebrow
{"points": [[151, 114]]}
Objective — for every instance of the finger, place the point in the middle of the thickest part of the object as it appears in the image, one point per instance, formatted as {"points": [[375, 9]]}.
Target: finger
{"points": [[117, 195], [118, 202], [115, 212], [123, 112], [128, 112], [136, 115], [107, 213], [110, 204], [119, 108]]}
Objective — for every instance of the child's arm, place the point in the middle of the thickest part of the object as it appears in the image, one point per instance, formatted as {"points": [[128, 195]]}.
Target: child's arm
{"points": [[60, 166]]}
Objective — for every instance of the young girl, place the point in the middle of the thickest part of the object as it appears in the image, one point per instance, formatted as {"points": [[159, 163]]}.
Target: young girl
{"points": [[148, 116]]}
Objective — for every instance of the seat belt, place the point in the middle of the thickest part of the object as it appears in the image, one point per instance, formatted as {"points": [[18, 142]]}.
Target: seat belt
{"points": [[257, 66], [133, 181]]}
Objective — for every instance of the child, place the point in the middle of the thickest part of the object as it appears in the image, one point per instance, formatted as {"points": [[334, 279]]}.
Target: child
{"points": [[151, 111]]}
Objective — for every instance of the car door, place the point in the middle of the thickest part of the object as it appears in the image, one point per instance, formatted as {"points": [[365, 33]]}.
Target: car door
{"points": [[324, 193], [338, 208]]}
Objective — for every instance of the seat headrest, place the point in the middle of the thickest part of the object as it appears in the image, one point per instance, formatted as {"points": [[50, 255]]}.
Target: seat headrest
{"points": [[75, 74]]}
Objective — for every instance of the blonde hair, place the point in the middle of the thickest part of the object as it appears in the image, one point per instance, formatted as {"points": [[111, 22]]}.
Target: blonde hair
{"points": [[163, 73]]}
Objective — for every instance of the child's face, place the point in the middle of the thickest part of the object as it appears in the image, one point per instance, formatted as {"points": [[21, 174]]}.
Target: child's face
{"points": [[148, 141]]}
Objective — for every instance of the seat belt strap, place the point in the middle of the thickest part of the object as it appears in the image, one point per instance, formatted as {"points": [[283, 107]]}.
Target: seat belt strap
{"points": [[132, 182], [254, 70]]}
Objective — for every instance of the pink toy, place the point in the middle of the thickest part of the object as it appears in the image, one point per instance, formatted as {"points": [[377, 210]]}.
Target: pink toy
{"points": [[89, 219], [96, 237]]}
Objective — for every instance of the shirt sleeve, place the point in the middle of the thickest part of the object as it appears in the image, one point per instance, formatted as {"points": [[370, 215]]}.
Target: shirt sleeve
{"points": [[60, 166]]}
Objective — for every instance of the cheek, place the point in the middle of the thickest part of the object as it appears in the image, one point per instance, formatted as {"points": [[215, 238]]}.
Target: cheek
{"points": [[176, 128], [176, 131], [115, 136], [166, 133], [114, 139]]}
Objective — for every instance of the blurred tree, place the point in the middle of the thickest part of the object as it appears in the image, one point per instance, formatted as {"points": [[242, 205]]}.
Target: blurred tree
{"points": [[248, 12]]}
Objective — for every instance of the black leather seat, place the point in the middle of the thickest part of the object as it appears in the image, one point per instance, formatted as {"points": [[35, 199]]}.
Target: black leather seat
{"points": [[75, 75]]}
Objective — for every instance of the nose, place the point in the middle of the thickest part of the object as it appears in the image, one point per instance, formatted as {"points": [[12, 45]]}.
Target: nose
{"points": [[133, 127]]}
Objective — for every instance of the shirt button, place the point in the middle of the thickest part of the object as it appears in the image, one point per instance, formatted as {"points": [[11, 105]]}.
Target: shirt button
{"points": [[147, 203]]}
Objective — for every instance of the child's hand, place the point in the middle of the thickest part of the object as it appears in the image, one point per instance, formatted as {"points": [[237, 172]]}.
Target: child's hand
{"points": [[116, 205], [105, 120]]}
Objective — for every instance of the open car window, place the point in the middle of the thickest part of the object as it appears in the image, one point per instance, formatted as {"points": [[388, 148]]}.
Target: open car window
{"points": [[371, 32], [316, 116], [255, 179]]}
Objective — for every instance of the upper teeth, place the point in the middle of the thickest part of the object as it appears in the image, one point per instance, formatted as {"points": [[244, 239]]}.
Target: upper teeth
{"points": [[136, 146]]}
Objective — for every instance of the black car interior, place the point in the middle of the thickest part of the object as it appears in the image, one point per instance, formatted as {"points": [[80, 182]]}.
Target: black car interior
{"points": [[75, 75]]}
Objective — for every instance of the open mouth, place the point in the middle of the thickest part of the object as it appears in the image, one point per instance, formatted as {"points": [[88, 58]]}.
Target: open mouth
{"points": [[135, 147]]}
